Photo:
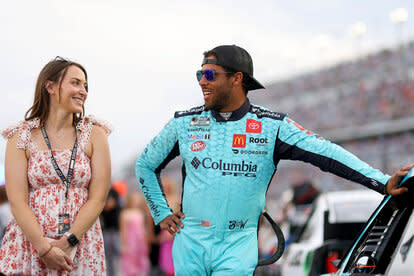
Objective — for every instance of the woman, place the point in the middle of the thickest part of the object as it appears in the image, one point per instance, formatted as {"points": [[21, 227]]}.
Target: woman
{"points": [[57, 178], [134, 236]]}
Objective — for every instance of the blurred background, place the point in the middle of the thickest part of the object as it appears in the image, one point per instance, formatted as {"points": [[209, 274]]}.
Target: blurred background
{"points": [[343, 69]]}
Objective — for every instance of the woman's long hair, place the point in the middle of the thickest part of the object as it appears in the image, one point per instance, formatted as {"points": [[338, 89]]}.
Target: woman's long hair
{"points": [[55, 72]]}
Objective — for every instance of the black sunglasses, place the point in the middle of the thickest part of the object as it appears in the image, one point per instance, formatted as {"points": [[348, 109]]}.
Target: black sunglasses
{"points": [[62, 59], [209, 74]]}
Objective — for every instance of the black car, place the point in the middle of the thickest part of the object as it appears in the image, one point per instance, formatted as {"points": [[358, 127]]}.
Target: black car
{"points": [[385, 245]]}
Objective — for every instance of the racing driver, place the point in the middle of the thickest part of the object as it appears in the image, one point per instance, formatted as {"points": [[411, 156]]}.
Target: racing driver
{"points": [[230, 149]]}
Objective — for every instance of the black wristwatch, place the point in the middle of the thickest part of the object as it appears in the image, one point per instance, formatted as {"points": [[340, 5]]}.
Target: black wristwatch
{"points": [[72, 239]]}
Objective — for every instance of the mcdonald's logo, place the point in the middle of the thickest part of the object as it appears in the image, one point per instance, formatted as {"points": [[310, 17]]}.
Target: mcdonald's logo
{"points": [[239, 140]]}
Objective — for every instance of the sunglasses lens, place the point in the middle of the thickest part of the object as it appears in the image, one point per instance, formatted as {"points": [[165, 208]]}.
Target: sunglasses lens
{"points": [[209, 74], [199, 75]]}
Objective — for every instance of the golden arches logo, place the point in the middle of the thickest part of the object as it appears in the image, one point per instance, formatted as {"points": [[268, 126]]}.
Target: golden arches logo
{"points": [[239, 140]]}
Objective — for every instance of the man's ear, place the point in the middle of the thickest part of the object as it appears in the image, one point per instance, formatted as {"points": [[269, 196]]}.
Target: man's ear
{"points": [[50, 87], [238, 78]]}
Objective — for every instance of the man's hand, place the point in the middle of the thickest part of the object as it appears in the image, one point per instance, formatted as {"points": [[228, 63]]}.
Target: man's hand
{"points": [[172, 222], [392, 184]]}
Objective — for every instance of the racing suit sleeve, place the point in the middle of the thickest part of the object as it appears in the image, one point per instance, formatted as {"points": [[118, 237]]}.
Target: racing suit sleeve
{"points": [[296, 143], [161, 150]]}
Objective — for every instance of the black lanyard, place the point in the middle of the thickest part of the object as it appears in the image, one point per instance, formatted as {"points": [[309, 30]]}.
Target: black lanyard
{"points": [[67, 181]]}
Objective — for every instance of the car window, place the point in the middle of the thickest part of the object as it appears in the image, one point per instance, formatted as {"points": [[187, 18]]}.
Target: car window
{"points": [[352, 211], [403, 260], [313, 226], [300, 214]]}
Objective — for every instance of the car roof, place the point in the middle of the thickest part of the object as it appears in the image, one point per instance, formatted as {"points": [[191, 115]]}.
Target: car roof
{"points": [[349, 206], [351, 195]]}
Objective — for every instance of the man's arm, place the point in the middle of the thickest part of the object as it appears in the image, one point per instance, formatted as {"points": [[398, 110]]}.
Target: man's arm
{"points": [[296, 143], [161, 150]]}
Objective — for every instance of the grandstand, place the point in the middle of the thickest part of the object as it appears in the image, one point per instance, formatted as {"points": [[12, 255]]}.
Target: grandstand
{"points": [[364, 105]]}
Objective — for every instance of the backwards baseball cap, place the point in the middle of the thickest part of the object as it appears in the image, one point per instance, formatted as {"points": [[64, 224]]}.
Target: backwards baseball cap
{"points": [[238, 59]]}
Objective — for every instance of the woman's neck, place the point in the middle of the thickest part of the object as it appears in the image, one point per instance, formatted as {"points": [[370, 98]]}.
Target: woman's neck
{"points": [[59, 120]]}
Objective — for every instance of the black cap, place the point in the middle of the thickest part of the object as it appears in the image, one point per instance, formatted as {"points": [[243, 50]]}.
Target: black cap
{"points": [[238, 59]]}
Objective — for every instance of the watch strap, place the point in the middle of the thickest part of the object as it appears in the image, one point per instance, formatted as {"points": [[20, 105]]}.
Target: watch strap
{"points": [[72, 239]]}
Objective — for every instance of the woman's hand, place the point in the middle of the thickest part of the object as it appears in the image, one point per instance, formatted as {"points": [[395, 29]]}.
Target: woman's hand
{"points": [[57, 259], [63, 244]]}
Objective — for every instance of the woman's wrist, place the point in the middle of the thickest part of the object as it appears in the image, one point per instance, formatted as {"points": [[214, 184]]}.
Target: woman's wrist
{"points": [[43, 254], [42, 246]]}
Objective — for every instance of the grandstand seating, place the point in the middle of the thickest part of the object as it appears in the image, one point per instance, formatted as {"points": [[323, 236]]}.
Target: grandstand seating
{"points": [[376, 90]]}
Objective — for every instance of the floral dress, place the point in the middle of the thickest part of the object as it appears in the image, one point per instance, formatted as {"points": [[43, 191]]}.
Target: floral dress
{"points": [[46, 199]]}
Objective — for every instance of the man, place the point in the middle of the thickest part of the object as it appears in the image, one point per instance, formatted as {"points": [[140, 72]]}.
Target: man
{"points": [[230, 150]]}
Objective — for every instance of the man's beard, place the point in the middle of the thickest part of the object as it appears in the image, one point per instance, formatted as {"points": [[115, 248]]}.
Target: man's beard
{"points": [[220, 102]]}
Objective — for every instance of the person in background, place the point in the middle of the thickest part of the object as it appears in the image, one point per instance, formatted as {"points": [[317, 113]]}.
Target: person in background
{"points": [[110, 227], [58, 173], [166, 239], [303, 195], [134, 236], [5, 212], [154, 232]]}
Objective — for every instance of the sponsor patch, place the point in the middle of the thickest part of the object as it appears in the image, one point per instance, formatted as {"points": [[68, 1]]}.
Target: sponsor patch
{"points": [[191, 111], [198, 129], [245, 168], [300, 127], [145, 191], [195, 162], [198, 146], [266, 113], [239, 140], [253, 126], [200, 121], [198, 136], [255, 152], [237, 224], [258, 141]]}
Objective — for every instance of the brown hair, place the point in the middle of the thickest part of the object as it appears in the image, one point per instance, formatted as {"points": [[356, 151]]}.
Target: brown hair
{"points": [[3, 195], [54, 71], [135, 196]]}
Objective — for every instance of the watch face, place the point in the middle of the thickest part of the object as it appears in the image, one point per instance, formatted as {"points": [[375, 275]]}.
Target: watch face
{"points": [[73, 240]]}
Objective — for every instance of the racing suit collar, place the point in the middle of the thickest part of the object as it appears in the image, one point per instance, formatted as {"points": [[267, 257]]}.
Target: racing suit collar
{"points": [[236, 114]]}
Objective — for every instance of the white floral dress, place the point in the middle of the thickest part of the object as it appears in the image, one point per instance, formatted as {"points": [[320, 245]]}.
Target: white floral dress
{"points": [[46, 191]]}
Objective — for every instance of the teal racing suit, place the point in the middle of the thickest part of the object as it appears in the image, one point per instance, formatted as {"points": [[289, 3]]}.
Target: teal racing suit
{"points": [[227, 166]]}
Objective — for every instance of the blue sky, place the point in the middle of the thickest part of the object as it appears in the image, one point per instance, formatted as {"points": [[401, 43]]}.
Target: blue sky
{"points": [[141, 56]]}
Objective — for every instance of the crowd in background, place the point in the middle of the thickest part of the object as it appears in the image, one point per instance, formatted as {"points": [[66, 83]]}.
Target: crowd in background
{"points": [[375, 88], [133, 244]]}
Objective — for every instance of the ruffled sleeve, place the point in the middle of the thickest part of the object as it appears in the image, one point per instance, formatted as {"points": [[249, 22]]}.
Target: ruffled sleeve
{"points": [[23, 129], [87, 122], [85, 127]]}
